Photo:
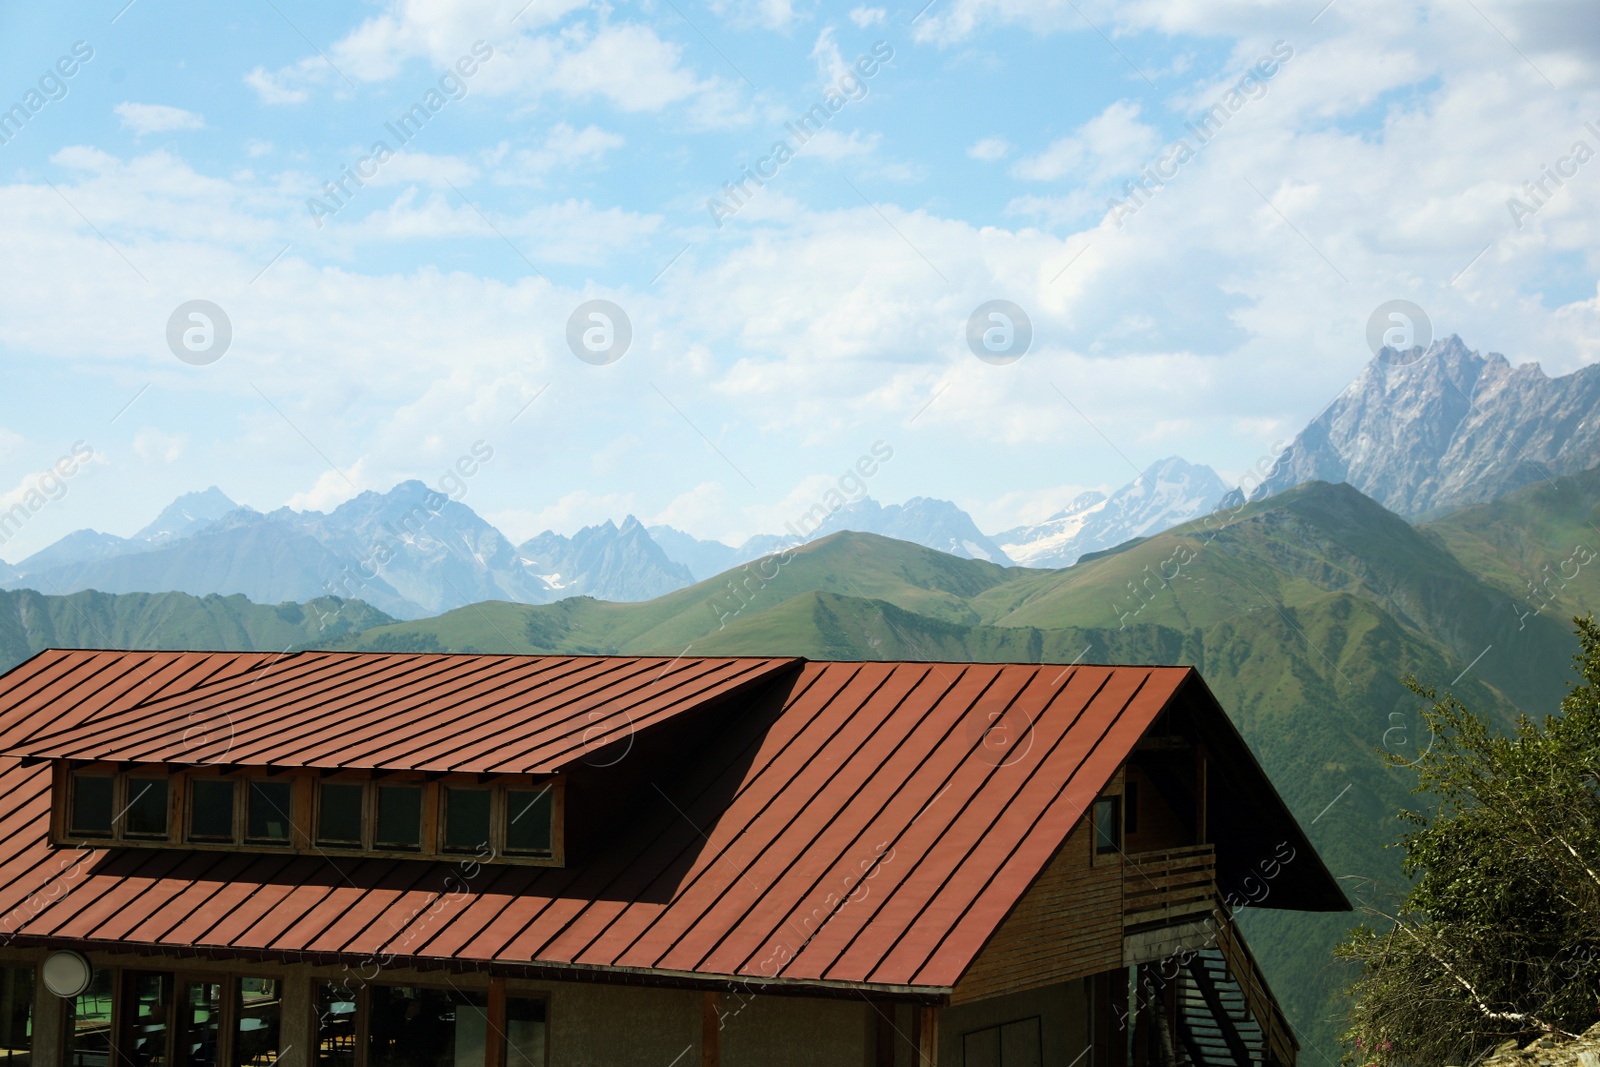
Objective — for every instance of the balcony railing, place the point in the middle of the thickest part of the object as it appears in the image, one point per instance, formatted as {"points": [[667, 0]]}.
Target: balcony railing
{"points": [[1159, 887]]}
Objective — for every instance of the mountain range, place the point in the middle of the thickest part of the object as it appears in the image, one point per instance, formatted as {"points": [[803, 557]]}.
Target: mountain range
{"points": [[1421, 432], [1304, 608]]}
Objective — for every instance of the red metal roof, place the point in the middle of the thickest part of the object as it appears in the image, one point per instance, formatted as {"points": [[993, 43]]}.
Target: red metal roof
{"points": [[375, 711], [753, 863]]}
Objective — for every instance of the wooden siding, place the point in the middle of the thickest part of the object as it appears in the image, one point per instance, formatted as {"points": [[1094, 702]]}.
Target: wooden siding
{"points": [[1067, 926]]}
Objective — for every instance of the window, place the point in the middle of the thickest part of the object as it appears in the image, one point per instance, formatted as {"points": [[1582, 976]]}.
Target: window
{"points": [[91, 805], [199, 1024], [512, 819], [336, 1025], [171, 1021], [146, 812], [1107, 825], [16, 1016], [269, 814], [211, 809], [525, 1040], [88, 1024], [412, 1026], [528, 821], [1014, 1044], [340, 814], [424, 1026], [466, 819], [258, 1019], [399, 817], [147, 1012]]}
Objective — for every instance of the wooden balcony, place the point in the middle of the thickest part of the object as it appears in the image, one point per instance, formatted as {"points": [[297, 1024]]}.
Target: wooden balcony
{"points": [[1159, 888], [1177, 888]]}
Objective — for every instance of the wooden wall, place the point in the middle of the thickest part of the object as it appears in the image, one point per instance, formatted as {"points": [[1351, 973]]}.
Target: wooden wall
{"points": [[1067, 926]]}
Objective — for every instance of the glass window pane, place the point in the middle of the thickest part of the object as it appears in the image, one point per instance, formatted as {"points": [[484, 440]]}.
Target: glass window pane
{"points": [[339, 813], [270, 812], [16, 1016], [466, 819], [412, 1026], [146, 814], [525, 1032], [1107, 825], [258, 1009], [336, 1025], [199, 1024], [88, 1039], [149, 998], [211, 809], [91, 805], [528, 821], [399, 816]]}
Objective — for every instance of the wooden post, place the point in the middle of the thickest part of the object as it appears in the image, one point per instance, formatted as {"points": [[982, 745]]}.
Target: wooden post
{"points": [[49, 1026], [927, 1036], [883, 1032], [710, 1029]]}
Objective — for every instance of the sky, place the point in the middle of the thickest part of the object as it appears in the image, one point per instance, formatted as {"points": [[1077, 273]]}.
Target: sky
{"points": [[692, 260]]}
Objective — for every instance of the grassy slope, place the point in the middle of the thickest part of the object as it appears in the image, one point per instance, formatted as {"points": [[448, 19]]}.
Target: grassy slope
{"points": [[31, 622], [1541, 544]]}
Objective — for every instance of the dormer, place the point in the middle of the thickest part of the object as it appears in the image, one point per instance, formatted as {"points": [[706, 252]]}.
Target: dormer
{"points": [[435, 757]]}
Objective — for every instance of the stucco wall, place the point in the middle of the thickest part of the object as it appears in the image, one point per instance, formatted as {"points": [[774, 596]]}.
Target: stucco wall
{"points": [[795, 1032]]}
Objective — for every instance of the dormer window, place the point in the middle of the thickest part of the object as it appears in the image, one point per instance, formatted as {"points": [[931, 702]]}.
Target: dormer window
{"points": [[505, 818], [399, 823], [91, 805]]}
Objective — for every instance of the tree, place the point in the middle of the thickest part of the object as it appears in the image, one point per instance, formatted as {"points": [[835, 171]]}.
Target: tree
{"points": [[1498, 935]]}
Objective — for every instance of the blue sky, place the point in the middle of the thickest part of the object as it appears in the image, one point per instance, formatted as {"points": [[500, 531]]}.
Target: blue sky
{"points": [[983, 161]]}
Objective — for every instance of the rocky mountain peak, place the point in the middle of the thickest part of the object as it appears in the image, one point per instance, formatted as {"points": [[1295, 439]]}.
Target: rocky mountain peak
{"points": [[1424, 432]]}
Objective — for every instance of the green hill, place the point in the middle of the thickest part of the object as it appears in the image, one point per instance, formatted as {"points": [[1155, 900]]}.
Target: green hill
{"points": [[1541, 544], [31, 622]]}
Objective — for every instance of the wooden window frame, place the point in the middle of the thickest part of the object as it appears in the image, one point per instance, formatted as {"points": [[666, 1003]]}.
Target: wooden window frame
{"points": [[227, 1025], [1118, 838], [65, 786], [305, 806]]}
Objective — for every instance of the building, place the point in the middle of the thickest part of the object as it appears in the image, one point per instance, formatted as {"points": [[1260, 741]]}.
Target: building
{"points": [[404, 860]]}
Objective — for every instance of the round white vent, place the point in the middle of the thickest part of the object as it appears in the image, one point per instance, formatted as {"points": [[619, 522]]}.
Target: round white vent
{"points": [[66, 974]]}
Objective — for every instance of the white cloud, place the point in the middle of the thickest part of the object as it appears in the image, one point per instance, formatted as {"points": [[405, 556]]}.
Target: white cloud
{"points": [[287, 86], [626, 64], [762, 14], [157, 118], [868, 16], [833, 145], [333, 488], [564, 147], [156, 446], [990, 149], [1112, 142]]}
